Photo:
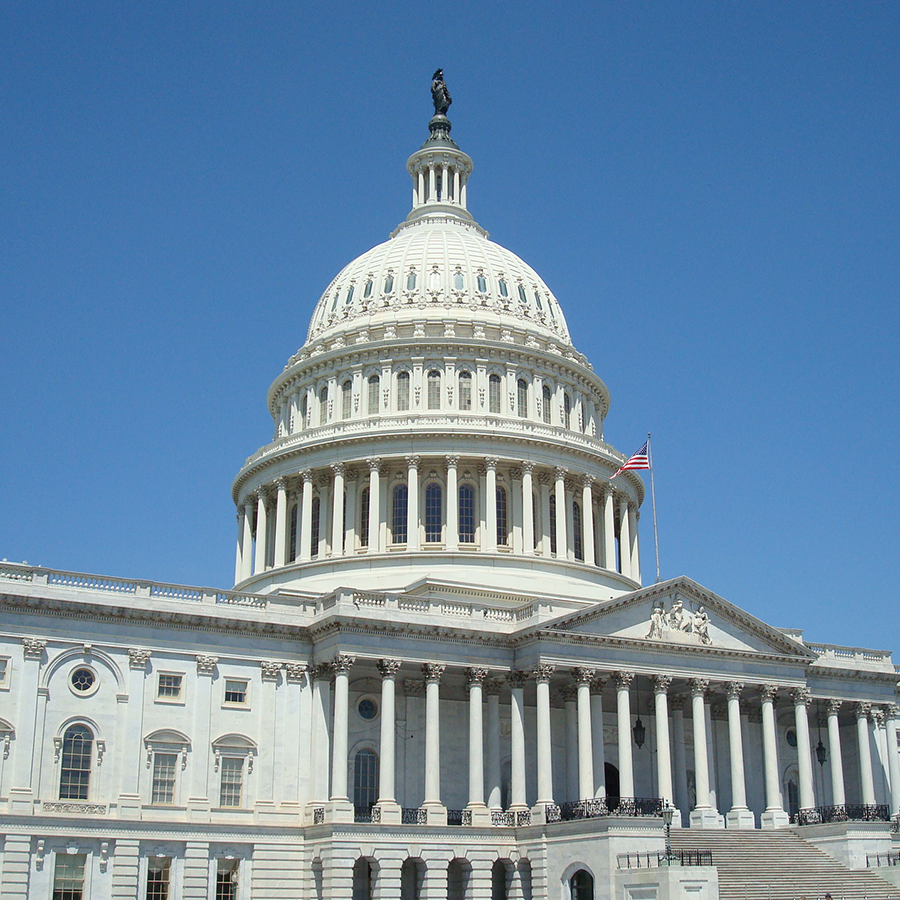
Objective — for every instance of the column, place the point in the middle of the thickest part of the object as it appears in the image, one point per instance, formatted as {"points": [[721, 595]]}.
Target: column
{"points": [[702, 815], [678, 753], [542, 675], [569, 694], [527, 507], [835, 756], [452, 536], [609, 531], [337, 509], [238, 555], [623, 720], [802, 698], [865, 753], [774, 816], [199, 800], [490, 503], [435, 811], [597, 685], [474, 680], [562, 548], [583, 679], [412, 502], [339, 752], [387, 802], [661, 685], [247, 540], [516, 680], [587, 518], [306, 516], [320, 739], [544, 482], [634, 550], [27, 691], [492, 756], [297, 500], [624, 539], [261, 532], [877, 717], [374, 464], [892, 712], [739, 816], [129, 802], [281, 523]]}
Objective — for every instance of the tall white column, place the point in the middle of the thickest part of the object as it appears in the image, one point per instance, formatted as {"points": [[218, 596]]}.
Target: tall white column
{"points": [[774, 816], [306, 516], [562, 547], [492, 754], [527, 507], [599, 751], [387, 799], [452, 536], [412, 502], [634, 549], [865, 753], [583, 679], [516, 680], [877, 717], [238, 556], [835, 756], [490, 503], [802, 698], [623, 720], [261, 532], [661, 685], [587, 518], [339, 755], [542, 676], [337, 509], [374, 464], [702, 815], [281, 523], [678, 756], [544, 482], [892, 712], [609, 530], [624, 539], [569, 694], [475, 677], [739, 816], [433, 673]]}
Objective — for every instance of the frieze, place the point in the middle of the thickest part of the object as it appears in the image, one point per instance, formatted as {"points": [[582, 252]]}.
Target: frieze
{"points": [[81, 809], [678, 624]]}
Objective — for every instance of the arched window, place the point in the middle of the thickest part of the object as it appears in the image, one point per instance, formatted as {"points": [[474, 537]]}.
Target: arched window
{"points": [[522, 398], [465, 390], [494, 394], [434, 389], [522, 298], [374, 387], [581, 885], [398, 514], [323, 406], [433, 513], [346, 398], [466, 514], [482, 284], [545, 406], [75, 774], [537, 299], [304, 412], [314, 528], [349, 299], [389, 284], [577, 542], [411, 281], [292, 533], [502, 518], [368, 289], [402, 391], [553, 523], [364, 518], [504, 290], [365, 780], [567, 411]]}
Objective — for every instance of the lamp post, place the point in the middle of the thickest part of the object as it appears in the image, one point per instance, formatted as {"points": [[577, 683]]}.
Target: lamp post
{"points": [[668, 813]]}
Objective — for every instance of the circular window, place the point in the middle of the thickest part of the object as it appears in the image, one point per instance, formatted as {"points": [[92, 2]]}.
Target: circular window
{"points": [[367, 708], [83, 681], [791, 737]]}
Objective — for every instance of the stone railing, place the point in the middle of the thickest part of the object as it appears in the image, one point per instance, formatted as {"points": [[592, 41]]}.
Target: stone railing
{"points": [[650, 859], [413, 816], [610, 806], [73, 807], [875, 860], [517, 818], [854, 812], [459, 816], [852, 656]]}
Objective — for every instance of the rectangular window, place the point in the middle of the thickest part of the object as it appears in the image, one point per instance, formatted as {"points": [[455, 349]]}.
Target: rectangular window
{"points": [[465, 391], [232, 783], [434, 390], [494, 394], [403, 391], [169, 686], [4, 671], [364, 518], [522, 398], [68, 876], [502, 518], [163, 787], [374, 383], [552, 524], [399, 513], [227, 879], [236, 692], [158, 878]]}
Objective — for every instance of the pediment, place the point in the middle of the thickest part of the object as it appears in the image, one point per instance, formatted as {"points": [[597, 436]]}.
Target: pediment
{"points": [[681, 612]]}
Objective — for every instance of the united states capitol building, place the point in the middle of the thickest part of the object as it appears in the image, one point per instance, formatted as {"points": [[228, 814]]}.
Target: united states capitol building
{"points": [[440, 674]]}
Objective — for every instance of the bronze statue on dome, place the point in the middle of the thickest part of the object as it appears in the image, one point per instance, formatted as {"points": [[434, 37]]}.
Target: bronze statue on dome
{"points": [[439, 94]]}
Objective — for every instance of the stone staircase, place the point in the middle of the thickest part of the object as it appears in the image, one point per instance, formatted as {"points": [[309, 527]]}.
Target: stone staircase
{"points": [[779, 865]]}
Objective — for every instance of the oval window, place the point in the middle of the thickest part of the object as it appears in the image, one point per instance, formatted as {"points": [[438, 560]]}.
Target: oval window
{"points": [[367, 708], [83, 680]]}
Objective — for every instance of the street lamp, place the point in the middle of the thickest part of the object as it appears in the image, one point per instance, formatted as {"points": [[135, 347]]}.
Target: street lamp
{"points": [[668, 813]]}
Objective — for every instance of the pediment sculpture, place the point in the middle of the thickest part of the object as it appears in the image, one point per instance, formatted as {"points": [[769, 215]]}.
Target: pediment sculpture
{"points": [[678, 624]]}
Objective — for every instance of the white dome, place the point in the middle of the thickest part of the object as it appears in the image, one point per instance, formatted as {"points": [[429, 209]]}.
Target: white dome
{"points": [[443, 265]]}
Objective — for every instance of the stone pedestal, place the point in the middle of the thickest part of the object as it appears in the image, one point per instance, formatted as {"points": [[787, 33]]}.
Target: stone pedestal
{"points": [[774, 818], [339, 811], [435, 813], [21, 801], [740, 818], [481, 815], [706, 817], [198, 809], [668, 883], [391, 813], [129, 806]]}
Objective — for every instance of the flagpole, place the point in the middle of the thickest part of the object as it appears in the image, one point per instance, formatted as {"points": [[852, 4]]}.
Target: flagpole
{"points": [[653, 499]]}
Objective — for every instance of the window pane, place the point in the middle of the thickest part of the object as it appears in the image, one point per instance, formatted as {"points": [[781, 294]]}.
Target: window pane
{"points": [[466, 514], [227, 879], [522, 397], [374, 385], [231, 785], [158, 872], [75, 773], [68, 876], [552, 523], [163, 789], [537, 300], [494, 394], [411, 281], [504, 290], [577, 543], [482, 284], [364, 518], [323, 406], [403, 391], [292, 540], [434, 389], [398, 516], [465, 390], [365, 780], [346, 399], [433, 513], [567, 409], [502, 518], [545, 409], [169, 686], [314, 528], [368, 291], [235, 691], [522, 298], [389, 284]]}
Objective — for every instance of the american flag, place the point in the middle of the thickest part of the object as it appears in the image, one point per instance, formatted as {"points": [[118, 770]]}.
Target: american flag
{"points": [[639, 460]]}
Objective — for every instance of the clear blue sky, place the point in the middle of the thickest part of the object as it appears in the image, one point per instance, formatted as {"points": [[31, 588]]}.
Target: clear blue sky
{"points": [[709, 188]]}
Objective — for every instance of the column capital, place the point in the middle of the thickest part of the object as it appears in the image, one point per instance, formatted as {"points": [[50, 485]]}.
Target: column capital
{"points": [[206, 664], [543, 478], [543, 673], [294, 672], [569, 693], [342, 663], [587, 480], [475, 675], [138, 659], [493, 686], [802, 696], [269, 669], [412, 461], [337, 468], [698, 686], [583, 675], [677, 701], [661, 683], [490, 462], [768, 692], [877, 716], [516, 678], [624, 679], [281, 483], [388, 667], [432, 672], [834, 706], [733, 690], [260, 494], [374, 463], [560, 472], [892, 710], [321, 672], [306, 476], [452, 461], [527, 465], [249, 503], [598, 683], [862, 709]]}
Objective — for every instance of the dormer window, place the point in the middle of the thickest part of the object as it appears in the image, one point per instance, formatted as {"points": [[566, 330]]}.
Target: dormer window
{"points": [[458, 281], [367, 291], [349, 299], [504, 290], [389, 284], [411, 281], [482, 284], [537, 299], [522, 298]]}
